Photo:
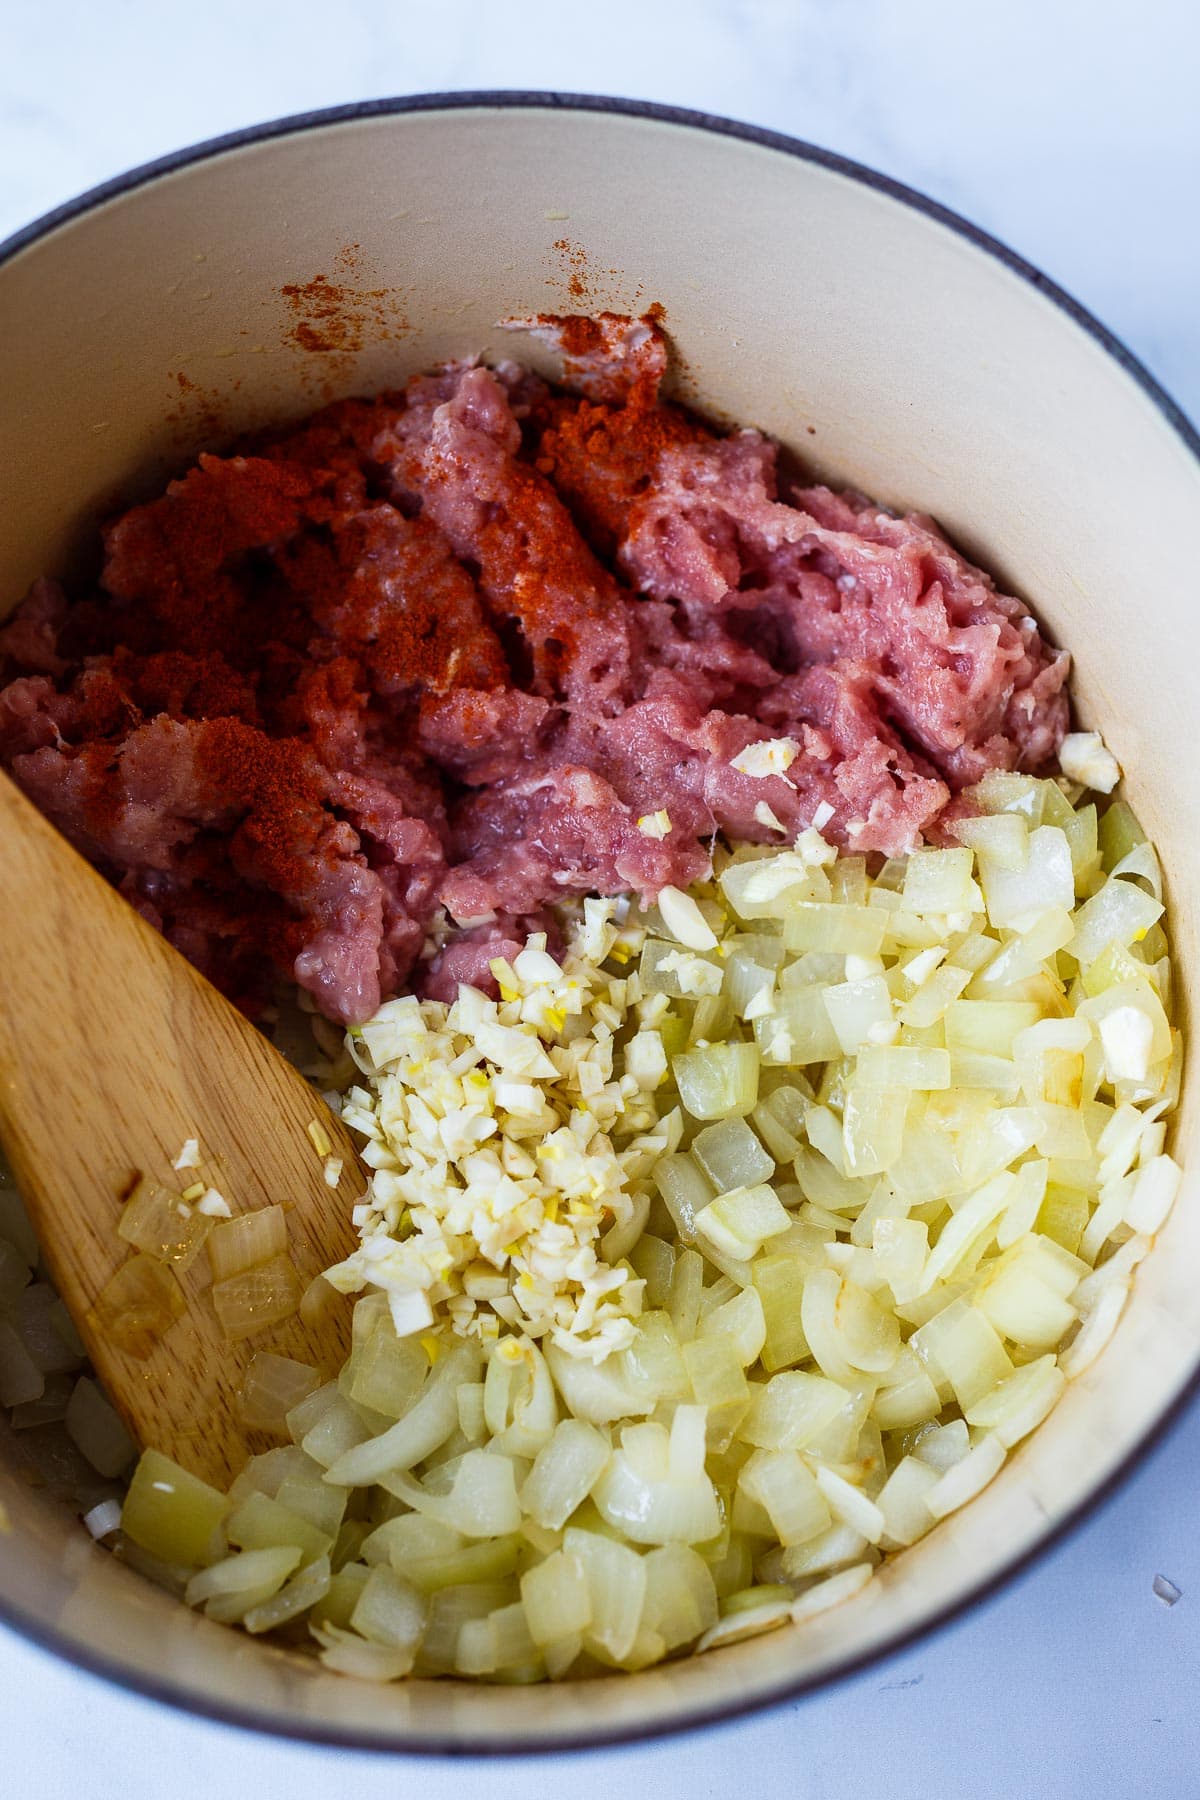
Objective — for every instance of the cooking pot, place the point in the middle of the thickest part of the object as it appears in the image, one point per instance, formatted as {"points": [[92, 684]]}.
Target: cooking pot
{"points": [[891, 347]]}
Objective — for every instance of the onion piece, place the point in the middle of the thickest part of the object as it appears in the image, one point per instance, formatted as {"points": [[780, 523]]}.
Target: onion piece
{"points": [[753, 1622], [831, 1593], [349, 1654], [557, 1598], [564, 1472], [21, 1381], [236, 1245], [304, 1591], [162, 1225], [171, 1513], [271, 1387], [967, 1478], [94, 1427], [231, 1587], [138, 1306], [616, 1579], [257, 1298]]}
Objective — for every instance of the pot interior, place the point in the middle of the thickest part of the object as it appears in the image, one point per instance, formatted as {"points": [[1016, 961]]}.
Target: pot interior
{"points": [[889, 352]]}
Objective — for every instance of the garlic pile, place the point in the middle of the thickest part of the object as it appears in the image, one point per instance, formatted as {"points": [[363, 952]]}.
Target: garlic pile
{"points": [[511, 1143]]}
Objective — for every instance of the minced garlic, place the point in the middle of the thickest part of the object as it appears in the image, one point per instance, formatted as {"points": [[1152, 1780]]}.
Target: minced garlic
{"points": [[189, 1156], [1085, 757], [764, 815], [771, 756], [506, 1138]]}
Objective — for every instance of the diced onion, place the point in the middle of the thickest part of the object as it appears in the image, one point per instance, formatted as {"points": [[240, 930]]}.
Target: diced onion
{"points": [[726, 1252], [259, 1297], [271, 1387], [833, 1592], [752, 1622], [101, 1520], [305, 1590], [243, 1243], [20, 1378], [163, 1225], [138, 1306], [94, 1427], [967, 1478], [170, 1512]]}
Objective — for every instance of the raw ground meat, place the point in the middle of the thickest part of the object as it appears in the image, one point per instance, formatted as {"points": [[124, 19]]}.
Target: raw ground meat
{"points": [[442, 649]]}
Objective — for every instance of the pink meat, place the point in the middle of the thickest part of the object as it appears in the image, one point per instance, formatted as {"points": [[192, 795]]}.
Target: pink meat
{"points": [[443, 650], [463, 463], [959, 668], [467, 959]]}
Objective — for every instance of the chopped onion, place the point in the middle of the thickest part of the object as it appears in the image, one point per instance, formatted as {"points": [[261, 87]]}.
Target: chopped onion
{"points": [[742, 1323], [37, 1316], [246, 1580], [103, 1519], [788, 1493], [732, 1156], [704, 1267], [644, 1498], [349, 1654], [261, 1523], [1153, 1195], [162, 1224], [95, 1428], [21, 1381], [960, 1346], [850, 1505], [1019, 1403], [829, 1550], [753, 1622], [1099, 1323], [830, 1593], [49, 1408], [171, 1513], [14, 1272], [271, 1387], [681, 1600], [718, 1082], [390, 1612], [317, 1303], [304, 1591], [564, 1472], [257, 1298], [325, 1425], [520, 1408], [138, 1306], [739, 1223], [616, 1578], [901, 1501], [244, 1243], [1046, 880], [423, 1429], [557, 1598], [15, 1228], [1001, 838], [779, 1282], [967, 1478]]}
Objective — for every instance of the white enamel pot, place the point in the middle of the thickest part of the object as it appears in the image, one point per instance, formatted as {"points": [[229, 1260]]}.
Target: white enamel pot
{"points": [[893, 348]]}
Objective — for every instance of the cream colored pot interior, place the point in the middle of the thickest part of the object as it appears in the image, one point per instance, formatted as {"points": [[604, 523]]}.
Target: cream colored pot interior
{"points": [[885, 348]]}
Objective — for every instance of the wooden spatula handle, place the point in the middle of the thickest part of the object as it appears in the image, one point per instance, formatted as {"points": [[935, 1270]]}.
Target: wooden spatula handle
{"points": [[114, 1051]]}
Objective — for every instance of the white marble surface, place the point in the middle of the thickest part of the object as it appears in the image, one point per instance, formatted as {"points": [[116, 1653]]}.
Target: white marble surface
{"points": [[1069, 128]]}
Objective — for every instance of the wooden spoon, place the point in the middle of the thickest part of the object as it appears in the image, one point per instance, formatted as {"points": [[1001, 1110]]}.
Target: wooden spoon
{"points": [[113, 1052]]}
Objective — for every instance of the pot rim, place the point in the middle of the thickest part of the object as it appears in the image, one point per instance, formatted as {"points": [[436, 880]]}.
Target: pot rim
{"points": [[986, 1590]]}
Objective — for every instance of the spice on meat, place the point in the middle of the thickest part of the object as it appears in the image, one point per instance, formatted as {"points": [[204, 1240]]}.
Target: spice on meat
{"points": [[421, 663]]}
